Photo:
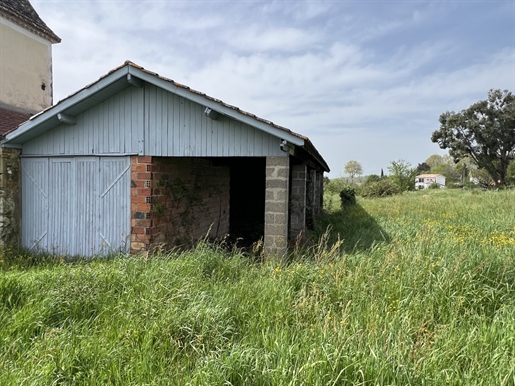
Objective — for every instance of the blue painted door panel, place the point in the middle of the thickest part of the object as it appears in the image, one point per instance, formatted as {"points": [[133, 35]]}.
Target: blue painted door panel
{"points": [[77, 205]]}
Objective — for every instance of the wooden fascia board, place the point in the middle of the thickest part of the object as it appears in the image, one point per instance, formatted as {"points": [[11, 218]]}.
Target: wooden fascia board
{"points": [[204, 101], [63, 106], [10, 146]]}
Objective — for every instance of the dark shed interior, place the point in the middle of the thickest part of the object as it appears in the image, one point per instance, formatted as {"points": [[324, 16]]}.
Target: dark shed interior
{"points": [[247, 199]]}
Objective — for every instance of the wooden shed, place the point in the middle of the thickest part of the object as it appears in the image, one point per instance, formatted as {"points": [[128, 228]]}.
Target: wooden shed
{"points": [[136, 160]]}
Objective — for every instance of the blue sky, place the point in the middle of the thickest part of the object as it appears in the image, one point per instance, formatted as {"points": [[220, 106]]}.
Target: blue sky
{"points": [[364, 80]]}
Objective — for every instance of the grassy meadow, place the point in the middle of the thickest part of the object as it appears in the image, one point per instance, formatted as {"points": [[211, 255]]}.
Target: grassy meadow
{"points": [[417, 289]]}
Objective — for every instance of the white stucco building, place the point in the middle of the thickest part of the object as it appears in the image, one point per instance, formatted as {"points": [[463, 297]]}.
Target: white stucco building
{"points": [[423, 181]]}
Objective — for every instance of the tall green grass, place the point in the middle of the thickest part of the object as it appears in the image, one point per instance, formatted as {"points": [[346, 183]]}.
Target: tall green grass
{"points": [[410, 290]]}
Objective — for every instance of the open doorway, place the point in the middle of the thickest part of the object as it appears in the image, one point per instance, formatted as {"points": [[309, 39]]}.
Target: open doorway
{"points": [[247, 202]]}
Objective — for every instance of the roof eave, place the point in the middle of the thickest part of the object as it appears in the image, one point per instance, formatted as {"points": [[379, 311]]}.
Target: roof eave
{"points": [[310, 148], [16, 137], [216, 105]]}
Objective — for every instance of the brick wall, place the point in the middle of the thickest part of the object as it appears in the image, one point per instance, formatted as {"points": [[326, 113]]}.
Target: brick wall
{"points": [[142, 225], [176, 201]]}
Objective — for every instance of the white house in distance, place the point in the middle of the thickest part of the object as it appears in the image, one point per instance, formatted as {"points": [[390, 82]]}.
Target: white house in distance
{"points": [[423, 181]]}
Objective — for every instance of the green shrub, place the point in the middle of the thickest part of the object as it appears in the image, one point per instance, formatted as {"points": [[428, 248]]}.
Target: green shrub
{"points": [[382, 188], [372, 178], [335, 185], [348, 196], [434, 185]]}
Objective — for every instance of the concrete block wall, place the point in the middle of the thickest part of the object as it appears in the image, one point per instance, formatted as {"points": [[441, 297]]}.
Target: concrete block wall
{"points": [[276, 205], [298, 202], [314, 196], [176, 201]]}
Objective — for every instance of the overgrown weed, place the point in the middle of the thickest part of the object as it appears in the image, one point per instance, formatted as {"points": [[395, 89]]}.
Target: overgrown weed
{"points": [[407, 290]]}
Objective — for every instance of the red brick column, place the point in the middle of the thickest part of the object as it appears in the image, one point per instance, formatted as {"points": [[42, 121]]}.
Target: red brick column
{"points": [[142, 224]]}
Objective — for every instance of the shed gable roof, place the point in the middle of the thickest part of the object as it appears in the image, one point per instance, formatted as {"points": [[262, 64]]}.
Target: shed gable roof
{"points": [[23, 14], [129, 74]]}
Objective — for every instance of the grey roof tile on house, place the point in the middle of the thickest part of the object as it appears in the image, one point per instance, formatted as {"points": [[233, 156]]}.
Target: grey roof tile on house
{"points": [[22, 13]]}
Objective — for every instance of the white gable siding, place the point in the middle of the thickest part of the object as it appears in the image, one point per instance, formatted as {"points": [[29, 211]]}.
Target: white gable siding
{"points": [[178, 127], [114, 126], [152, 121]]}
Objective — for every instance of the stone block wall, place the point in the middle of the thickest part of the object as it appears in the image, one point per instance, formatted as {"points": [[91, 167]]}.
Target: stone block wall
{"points": [[276, 205], [177, 201], [10, 199]]}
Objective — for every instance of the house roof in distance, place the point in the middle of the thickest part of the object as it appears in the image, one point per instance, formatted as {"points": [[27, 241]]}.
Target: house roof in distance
{"points": [[22, 13], [428, 175], [10, 119], [129, 74]]}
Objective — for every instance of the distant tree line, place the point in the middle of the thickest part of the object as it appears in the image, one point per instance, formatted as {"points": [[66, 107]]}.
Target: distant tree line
{"points": [[481, 144], [401, 178]]}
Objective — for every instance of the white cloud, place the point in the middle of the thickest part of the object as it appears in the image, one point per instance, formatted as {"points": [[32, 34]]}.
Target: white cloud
{"points": [[286, 40], [362, 83]]}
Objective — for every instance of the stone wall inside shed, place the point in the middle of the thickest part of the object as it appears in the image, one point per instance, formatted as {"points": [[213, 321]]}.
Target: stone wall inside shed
{"points": [[177, 201]]}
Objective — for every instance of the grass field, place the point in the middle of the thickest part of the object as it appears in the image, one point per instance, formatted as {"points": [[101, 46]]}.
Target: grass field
{"points": [[417, 289]]}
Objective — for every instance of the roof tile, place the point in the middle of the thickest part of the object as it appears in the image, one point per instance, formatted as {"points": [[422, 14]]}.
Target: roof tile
{"points": [[10, 120], [22, 13]]}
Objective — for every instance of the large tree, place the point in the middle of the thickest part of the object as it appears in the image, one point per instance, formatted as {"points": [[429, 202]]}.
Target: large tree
{"points": [[437, 159], [485, 132], [402, 174], [353, 169], [423, 167]]}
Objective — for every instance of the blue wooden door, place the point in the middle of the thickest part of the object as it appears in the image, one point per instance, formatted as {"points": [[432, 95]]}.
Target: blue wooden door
{"points": [[77, 206], [34, 203]]}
